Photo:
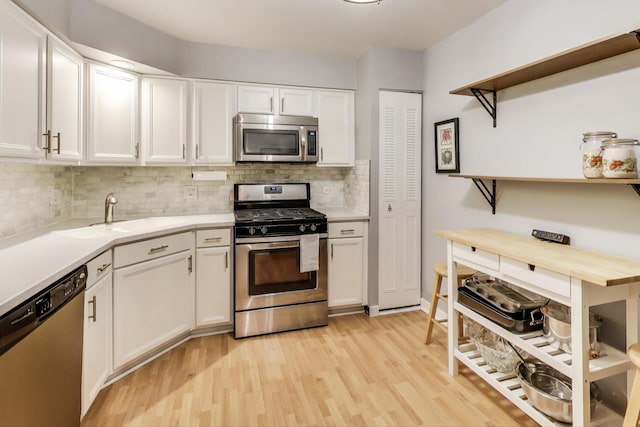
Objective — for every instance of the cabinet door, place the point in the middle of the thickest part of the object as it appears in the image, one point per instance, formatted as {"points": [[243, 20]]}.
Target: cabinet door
{"points": [[112, 116], [297, 102], [399, 199], [152, 303], [213, 286], [96, 353], [336, 128], [214, 105], [345, 271], [164, 120], [22, 59], [256, 99], [64, 102]]}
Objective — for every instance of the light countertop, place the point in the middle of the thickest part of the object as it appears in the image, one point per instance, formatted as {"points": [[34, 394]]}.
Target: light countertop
{"points": [[337, 214], [32, 261], [29, 263]]}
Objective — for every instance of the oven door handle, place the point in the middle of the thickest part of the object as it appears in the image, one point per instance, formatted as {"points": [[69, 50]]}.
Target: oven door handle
{"points": [[275, 245]]}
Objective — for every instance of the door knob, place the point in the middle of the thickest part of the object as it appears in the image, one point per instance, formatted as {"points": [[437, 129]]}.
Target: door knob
{"points": [[389, 208]]}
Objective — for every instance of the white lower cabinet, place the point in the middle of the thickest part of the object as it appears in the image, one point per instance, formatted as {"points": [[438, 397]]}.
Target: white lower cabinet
{"points": [[153, 301], [97, 340], [346, 264], [213, 277]]}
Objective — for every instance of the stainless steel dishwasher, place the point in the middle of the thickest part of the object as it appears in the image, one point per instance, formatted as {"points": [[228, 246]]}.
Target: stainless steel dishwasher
{"points": [[41, 356]]}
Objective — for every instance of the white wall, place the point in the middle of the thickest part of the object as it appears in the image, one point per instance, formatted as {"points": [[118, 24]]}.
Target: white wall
{"points": [[540, 126]]}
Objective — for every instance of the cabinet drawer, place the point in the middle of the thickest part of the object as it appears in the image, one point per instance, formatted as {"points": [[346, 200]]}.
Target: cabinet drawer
{"points": [[346, 229], [557, 283], [151, 249], [99, 267], [213, 237], [476, 256]]}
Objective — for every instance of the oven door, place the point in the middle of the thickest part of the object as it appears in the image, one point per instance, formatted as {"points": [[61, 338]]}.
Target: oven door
{"points": [[268, 274]]}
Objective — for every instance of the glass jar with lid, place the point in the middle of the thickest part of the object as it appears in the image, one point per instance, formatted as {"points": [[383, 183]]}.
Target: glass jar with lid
{"points": [[619, 158], [592, 152]]}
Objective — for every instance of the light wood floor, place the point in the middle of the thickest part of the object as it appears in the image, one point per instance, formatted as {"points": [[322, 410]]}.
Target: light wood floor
{"points": [[358, 371]]}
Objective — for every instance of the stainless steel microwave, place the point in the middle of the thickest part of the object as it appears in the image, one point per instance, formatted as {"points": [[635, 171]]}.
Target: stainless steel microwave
{"points": [[267, 138]]}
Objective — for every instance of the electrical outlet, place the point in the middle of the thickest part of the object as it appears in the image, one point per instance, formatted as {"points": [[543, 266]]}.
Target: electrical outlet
{"points": [[327, 190], [55, 197], [190, 192]]}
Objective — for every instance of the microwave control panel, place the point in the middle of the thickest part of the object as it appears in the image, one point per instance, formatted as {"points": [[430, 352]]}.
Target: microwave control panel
{"points": [[312, 143]]}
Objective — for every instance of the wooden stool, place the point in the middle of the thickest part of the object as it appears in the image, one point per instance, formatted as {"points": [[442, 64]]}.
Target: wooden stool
{"points": [[632, 414], [441, 271]]}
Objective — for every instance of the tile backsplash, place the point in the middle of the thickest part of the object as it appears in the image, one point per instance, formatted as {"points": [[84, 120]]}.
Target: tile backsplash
{"points": [[33, 196], [80, 191]]}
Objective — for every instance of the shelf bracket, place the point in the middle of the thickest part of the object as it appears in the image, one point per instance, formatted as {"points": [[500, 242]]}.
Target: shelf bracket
{"points": [[636, 188], [492, 108], [490, 196]]}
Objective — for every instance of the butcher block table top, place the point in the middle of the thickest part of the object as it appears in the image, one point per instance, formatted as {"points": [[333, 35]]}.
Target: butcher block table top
{"points": [[595, 267]]}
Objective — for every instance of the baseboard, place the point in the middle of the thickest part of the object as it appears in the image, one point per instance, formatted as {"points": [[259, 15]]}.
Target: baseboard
{"points": [[426, 307]]}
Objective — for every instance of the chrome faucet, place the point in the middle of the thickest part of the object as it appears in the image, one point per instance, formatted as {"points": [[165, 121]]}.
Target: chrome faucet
{"points": [[108, 208]]}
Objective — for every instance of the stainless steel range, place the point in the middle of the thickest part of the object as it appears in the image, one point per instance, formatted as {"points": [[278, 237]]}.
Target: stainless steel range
{"points": [[281, 260]]}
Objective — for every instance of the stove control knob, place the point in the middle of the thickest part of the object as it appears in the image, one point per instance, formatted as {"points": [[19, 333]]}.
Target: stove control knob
{"points": [[252, 230], [313, 227], [302, 228], [263, 230]]}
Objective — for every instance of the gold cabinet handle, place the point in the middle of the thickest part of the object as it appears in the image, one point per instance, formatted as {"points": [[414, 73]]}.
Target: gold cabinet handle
{"points": [[158, 249], [94, 316], [271, 104], [184, 151], [332, 251], [57, 136], [213, 239], [226, 260], [190, 267], [282, 104], [321, 154], [348, 231], [103, 268], [197, 150], [137, 151], [48, 147]]}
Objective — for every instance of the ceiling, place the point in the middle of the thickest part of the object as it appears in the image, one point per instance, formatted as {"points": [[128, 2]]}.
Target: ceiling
{"points": [[332, 27]]}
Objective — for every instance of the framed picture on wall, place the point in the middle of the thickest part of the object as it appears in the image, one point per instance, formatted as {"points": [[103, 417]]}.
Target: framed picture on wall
{"points": [[447, 141]]}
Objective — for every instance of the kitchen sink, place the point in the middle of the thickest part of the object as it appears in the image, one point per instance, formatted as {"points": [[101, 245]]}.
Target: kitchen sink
{"points": [[121, 227]]}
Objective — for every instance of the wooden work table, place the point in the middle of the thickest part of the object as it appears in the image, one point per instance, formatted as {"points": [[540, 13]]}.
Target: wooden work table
{"points": [[571, 276]]}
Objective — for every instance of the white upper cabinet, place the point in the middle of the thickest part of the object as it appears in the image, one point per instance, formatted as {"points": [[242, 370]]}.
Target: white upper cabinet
{"points": [[297, 102], [257, 99], [336, 128], [22, 73], [276, 100], [112, 127], [63, 134], [164, 120], [214, 105]]}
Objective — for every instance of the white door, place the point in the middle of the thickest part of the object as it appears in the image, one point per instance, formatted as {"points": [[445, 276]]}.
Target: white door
{"points": [[256, 99], [345, 271], [296, 102], [336, 128], [96, 354], [64, 102], [214, 105], [164, 120], [399, 209], [22, 54], [112, 128], [213, 286], [152, 303]]}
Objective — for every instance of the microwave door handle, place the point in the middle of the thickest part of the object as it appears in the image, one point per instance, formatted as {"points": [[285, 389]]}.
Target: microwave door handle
{"points": [[303, 144]]}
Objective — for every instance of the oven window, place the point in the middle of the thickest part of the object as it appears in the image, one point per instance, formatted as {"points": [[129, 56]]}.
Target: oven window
{"points": [[271, 142], [278, 270]]}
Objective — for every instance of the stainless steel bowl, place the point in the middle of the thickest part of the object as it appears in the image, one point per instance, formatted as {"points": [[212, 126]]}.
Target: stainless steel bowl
{"points": [[549, 391], [557, 328]]}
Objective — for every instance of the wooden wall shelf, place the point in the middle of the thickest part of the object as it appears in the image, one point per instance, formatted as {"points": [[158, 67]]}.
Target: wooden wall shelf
{"points": [[567, 60], [490, 194]]}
